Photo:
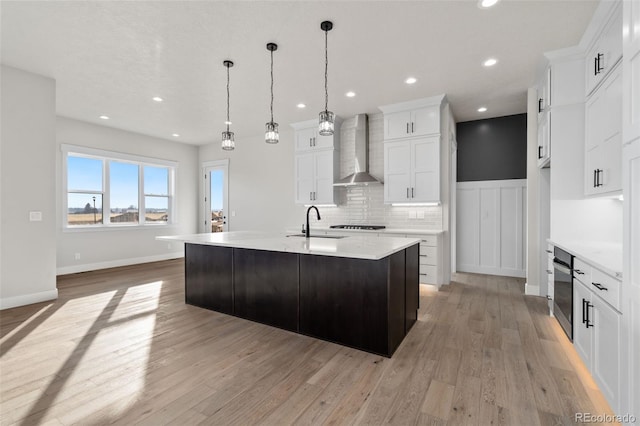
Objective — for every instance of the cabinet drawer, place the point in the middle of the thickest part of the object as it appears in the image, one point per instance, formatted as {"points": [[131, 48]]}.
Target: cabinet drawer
{"points": [[428, 240], [428, 255], [582, 271], [608, 288], [428, 274]]}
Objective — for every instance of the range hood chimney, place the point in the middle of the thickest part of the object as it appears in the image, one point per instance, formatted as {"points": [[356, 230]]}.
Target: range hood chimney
{"points": [[361, 175]]}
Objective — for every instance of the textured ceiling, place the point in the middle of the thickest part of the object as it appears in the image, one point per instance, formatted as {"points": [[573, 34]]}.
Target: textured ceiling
{"points": [[112, 57]]}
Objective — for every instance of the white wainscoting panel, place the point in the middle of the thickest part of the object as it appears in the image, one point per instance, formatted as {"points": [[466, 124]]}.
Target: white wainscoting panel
{"points": [[491, 218]]}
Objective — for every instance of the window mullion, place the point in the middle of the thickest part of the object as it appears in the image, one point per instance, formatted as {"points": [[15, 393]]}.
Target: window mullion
{"points": [[106, 194], [141, 206]]}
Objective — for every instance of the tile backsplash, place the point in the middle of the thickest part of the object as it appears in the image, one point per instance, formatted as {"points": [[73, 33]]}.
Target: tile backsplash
{"points": [[365, 204]]}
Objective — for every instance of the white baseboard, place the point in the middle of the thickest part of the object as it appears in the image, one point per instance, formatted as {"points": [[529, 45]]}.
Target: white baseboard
{"points": [[64, 270], [531, 290], [492, 271], [28, 299]]}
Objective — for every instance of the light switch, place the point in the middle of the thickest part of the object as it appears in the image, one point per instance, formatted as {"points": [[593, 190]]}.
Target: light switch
{"points": [[35, 216], [233, 213]]}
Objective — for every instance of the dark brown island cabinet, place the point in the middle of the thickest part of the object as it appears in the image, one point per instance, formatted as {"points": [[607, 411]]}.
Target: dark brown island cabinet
{"points": [[365, 304]]}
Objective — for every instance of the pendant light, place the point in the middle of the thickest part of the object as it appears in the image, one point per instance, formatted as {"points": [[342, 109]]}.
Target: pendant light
{"points": [[325, 127], [228, 143], [271, 132]]}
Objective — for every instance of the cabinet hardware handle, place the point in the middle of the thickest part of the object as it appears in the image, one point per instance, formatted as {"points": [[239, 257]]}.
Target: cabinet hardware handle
{"points": [[548, 251], [407, 192], [578, 271], [598, 183], [549, 297], [310, 196], [424, 275], [540, 105], [589, 323], [595, 65], [598, 67], [539, 152], [549, 272], [594, 178], [423, 255], [412, 127], [584, 310], [407, 128], [600, 286], [412, 196]]}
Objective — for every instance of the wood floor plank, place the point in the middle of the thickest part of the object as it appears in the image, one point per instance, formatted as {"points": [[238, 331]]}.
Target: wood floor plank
{"points": [[120, 346]]}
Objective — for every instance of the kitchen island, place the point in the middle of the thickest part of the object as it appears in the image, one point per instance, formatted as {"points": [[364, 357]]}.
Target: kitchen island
{"points": [[359, 291]]}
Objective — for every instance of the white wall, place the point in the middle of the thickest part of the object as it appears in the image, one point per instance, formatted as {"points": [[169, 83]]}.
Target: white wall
{"points": [[102, 248], [261, 186], [28, 122]]}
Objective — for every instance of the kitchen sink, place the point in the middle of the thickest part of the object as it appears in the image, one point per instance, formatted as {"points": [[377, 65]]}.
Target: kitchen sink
{"points": [[335, 237]]}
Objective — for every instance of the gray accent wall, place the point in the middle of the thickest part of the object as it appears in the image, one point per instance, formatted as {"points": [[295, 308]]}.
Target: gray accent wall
{"points": [[492, 149]]}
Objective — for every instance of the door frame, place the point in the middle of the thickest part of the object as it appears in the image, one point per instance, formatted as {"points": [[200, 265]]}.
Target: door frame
{"points": [[207, 167]]}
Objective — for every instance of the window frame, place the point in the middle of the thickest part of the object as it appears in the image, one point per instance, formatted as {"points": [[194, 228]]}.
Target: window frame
{"points": [[106, 157]]}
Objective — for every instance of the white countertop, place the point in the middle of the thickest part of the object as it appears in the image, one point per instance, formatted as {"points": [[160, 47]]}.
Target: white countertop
{"points": [[359, 247], [604, 256]]}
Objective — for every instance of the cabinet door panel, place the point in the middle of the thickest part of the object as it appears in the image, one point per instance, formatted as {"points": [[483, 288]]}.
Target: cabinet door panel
{"points": [[323, 142], [397, 125], [304, 139], [304, 184], [323, 177], [425, 121], [426, 170], [397, 179], [606, 348], [582, 336]]}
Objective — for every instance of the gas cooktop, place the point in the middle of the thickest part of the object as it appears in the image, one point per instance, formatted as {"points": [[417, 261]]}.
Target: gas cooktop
{"points": [[365, 227]]}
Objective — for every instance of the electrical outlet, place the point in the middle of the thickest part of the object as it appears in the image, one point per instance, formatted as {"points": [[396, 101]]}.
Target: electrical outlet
{"points": [[35, 216], [77, 256], [233, 213]]}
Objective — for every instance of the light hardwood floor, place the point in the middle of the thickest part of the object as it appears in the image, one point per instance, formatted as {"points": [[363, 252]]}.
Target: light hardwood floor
{"points": [[120, 346]]}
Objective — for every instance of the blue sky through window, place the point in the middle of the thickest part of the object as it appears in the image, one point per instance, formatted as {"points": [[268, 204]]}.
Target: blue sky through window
{"points": [[217, 179], [124, 185], [84, 174]]}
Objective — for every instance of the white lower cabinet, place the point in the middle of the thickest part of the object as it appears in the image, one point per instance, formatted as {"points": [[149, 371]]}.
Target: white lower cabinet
{"points": [[597, 333]]}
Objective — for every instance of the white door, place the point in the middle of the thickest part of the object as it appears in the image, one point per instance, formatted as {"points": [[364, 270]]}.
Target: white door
{"points": [[216, 196], [606, 351]]}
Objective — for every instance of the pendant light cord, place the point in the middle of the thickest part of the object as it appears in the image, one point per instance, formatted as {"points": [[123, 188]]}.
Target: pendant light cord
{"points": [[227, 98], [326, 67], [271, 86]]}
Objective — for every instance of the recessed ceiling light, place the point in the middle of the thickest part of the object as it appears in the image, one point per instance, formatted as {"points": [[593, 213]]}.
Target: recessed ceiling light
{"points": [[301, 105], [410, 80], [158, 99], [490, 62], [175, 135], [482, 109], [104, 117], [350, 94], [487, 3]]}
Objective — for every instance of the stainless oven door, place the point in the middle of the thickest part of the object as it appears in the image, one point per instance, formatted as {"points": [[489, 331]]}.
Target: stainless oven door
{"points": [[563, 296]]}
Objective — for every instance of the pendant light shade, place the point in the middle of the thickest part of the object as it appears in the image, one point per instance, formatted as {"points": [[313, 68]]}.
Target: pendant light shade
{"points": [[326, 117], [228, 140], [271, 134]]}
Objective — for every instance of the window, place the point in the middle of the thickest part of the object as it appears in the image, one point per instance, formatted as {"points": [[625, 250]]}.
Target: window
{"points": [[107, 189]]}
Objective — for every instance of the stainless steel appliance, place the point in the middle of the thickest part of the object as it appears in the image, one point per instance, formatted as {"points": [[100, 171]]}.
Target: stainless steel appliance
{"points": [[365, 227], [563, 290]]}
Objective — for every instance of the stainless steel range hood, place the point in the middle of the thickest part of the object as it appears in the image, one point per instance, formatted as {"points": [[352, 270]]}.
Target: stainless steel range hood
{"points": [[361, 175]]}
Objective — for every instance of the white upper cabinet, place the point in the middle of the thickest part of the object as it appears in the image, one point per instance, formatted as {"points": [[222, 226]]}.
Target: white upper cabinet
{"points": [[316, 163], [412, 170], [308, 139], [605, 51], [412, 151], [414, 122], [603, 137]]}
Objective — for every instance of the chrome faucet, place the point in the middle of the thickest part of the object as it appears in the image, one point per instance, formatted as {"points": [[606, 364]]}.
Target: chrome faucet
{"points": [[308, 233]]}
